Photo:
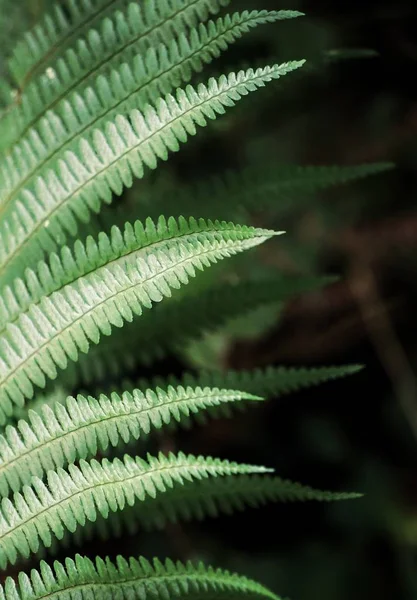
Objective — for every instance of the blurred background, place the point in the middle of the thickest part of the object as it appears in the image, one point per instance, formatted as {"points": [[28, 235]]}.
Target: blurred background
{"points": [[355, 102]]}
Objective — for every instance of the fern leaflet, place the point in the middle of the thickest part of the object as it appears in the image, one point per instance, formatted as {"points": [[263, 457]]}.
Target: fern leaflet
{"points": [[84, 426], [149, 77], [105, 580], [73, 497], [65, 323], [106, 165]]}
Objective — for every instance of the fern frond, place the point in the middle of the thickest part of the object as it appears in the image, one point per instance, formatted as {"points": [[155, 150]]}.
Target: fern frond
{"points": [[106, 580], [256, 187], [71, 264], [99, 27], [199, 500], [64, 434], [269, 382], [181, 320], [128, 33], [46, 214], [203, 499], [132, 86], [63, 324], [70, 498], [115, 42], [38, 47]]}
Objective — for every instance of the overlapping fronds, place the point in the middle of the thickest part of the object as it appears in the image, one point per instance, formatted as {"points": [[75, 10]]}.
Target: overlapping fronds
{"points": [[274, 186], [96, 30], [46, 214], [64, 323], [48, 69], [106, 580], [199, 500], [92, 100], [210, 499], [128, 34], [180, 320], [274, 381], [144, 80], [269, 382], [70, 498], [63, 434], [70, 264]]}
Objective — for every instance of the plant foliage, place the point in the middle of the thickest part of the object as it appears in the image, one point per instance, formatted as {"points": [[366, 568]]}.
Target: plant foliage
{"points": [[97, 93]]}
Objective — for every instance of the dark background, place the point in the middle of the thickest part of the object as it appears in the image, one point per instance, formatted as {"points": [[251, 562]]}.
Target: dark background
{"points": [[360, 433]]}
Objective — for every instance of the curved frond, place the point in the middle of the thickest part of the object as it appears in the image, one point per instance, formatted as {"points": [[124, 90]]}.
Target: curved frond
{"points": [[106, 580], [145, 79], [64, 434], [44, 216], [70, 498], [63, 324], [204, 499], [269, 382], [273, 186], [107, 44], [210, 499], [70, 264]]}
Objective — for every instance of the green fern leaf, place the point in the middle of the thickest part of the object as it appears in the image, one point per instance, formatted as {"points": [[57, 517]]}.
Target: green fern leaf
{"points": [[104, 167], [83, 426], [71, 264], [199, 500], [116, 41], [93, 99], [71, 498], [105, 580], [57, 29], [132, 86], [269, 382], [273, 186], [210, 499], [101, 27], [64, 323], [274, 381]]}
